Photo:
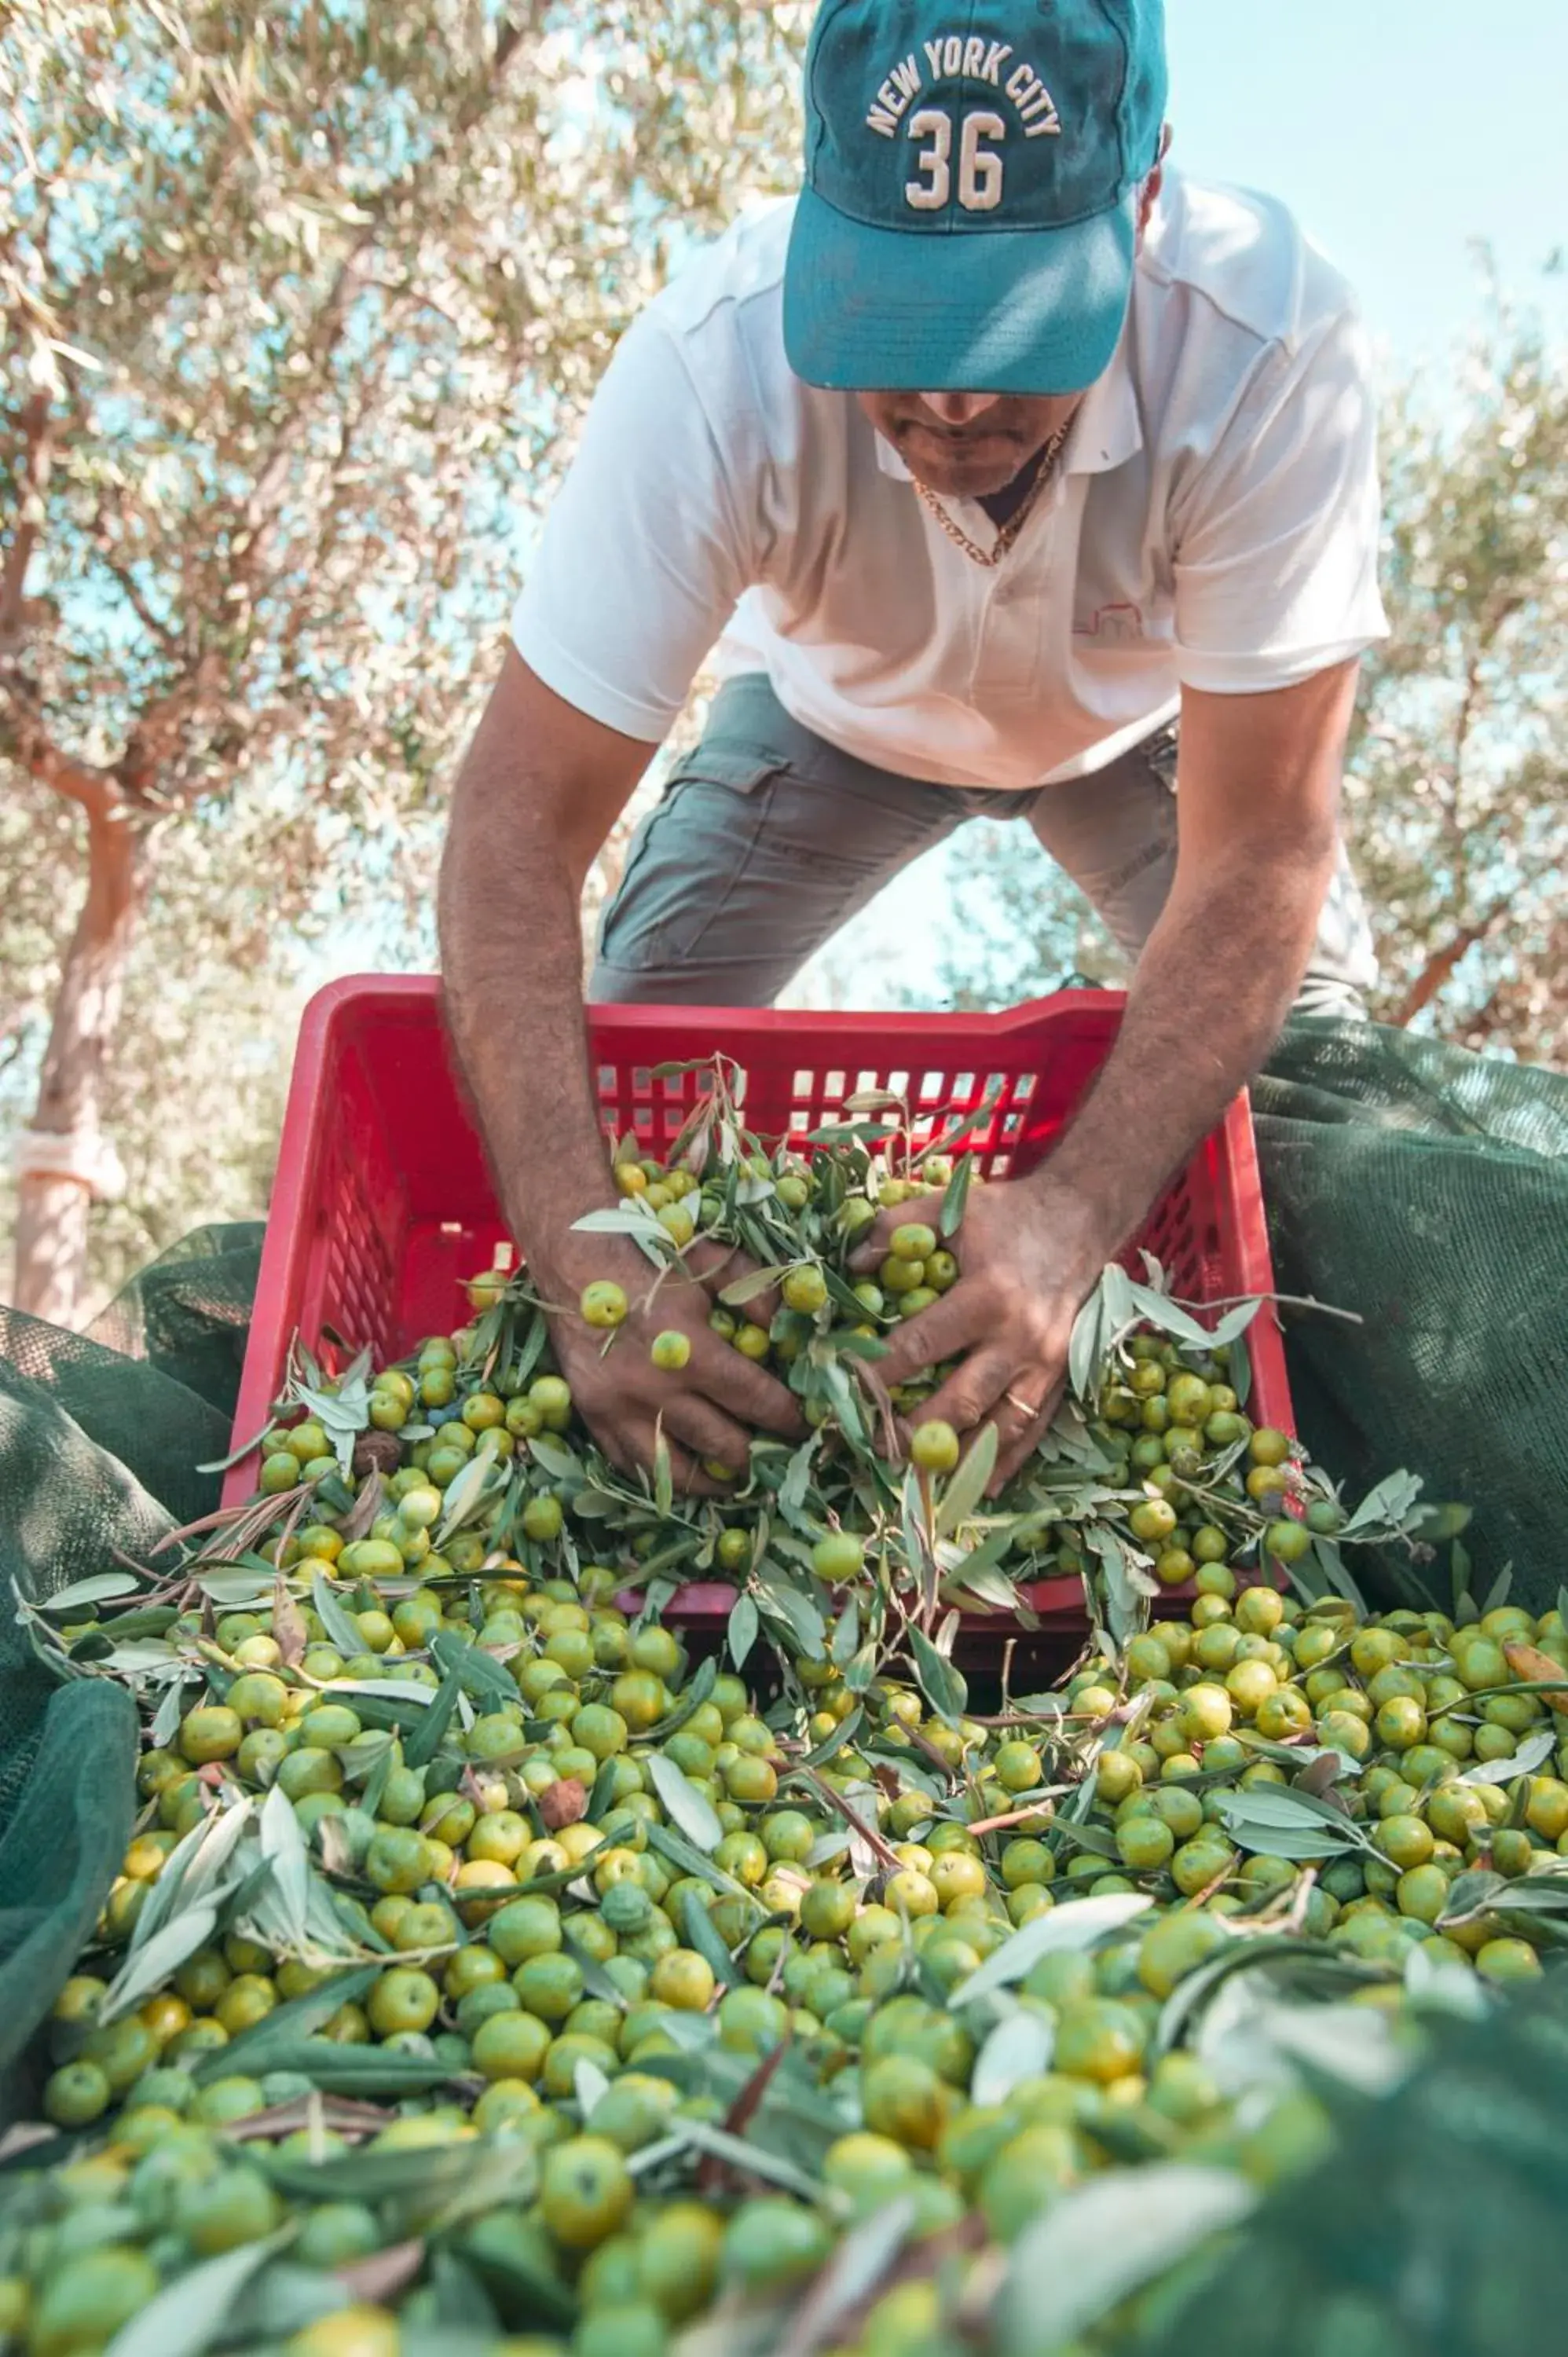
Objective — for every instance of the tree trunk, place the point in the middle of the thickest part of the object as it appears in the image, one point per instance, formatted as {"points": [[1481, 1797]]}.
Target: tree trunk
{"points": [[52, 1210]]}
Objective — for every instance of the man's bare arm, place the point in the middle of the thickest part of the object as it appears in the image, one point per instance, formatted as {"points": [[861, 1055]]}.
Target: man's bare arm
{"points": [[1258, 813], [1257, 809], [538, 793]]}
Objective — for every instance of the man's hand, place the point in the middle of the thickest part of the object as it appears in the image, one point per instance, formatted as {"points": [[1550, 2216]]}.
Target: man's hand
{"points": [[1257, 811], [1030, 1252], [704, 1409], [539, 792]]}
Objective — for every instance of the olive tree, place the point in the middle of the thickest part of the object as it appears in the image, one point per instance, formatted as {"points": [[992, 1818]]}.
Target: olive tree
{"points": [[300, 301]]}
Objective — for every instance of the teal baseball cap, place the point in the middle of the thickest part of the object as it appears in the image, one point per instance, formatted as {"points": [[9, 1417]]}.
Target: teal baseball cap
{"points": [[969, 221]]}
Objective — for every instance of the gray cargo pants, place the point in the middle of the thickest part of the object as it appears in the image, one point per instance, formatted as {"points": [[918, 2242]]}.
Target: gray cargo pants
{"points": [[768, 839]]}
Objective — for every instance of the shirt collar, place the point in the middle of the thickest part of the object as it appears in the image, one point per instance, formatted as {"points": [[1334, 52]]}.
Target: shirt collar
{"points": [[1106, 433]]}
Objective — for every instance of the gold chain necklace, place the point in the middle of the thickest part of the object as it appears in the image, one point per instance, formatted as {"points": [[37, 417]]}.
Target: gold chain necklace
{"points": [[1008, 533]]}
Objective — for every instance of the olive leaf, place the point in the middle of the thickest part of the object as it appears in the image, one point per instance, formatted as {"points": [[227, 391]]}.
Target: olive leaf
{"points": [[687, 1808], [744, 1626], [780, 1600], [1384, 1509], [691, 1702], [469, 1493], [170, 1711], [236, 1589], [1443, 1984], [1273, 1952], [680, 1852], [146, 1971], [753, 2158], [343, 1414], [841, 1736], [283, 1845], [1240, 1370], [702, 1934], [755, 1282], [1167, 1316], [98, 1589], [562, 1464], [342, 1631], [367, 2071], [522, 2284], [1277, 1821], [857, 2267], [1077, 1923], [1105, 2241], [956, 1196], [942, 1685], [1481, 1893], [963, 1493], [1522, 1762], [847, 1633], [798, 1479], [422, 1746], [589, 2085], [626, 1219], [1233, 1325], [477, 1671], [189, 2315], [1086, 1345], [254, 2051], [1018, 2049], [193, 1869]]}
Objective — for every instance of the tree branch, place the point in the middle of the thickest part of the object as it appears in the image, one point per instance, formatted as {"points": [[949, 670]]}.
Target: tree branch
{"points": [[125, 581], [29, 743], [1492, 622], [37, 452], [1440, 967]]}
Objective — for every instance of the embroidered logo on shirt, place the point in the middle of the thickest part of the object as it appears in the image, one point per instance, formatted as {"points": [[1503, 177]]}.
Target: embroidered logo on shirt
{"points": [[1114, 625]]}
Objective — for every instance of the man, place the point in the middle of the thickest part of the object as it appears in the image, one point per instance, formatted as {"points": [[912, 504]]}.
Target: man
{"points": [[1137, 486]]}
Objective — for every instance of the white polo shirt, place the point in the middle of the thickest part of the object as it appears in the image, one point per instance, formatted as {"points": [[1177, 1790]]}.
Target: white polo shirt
{"points": [[1213, 523]]}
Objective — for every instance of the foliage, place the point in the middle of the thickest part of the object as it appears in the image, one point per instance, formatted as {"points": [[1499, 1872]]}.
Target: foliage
{"points": [[300, 302], [1459, 790]]}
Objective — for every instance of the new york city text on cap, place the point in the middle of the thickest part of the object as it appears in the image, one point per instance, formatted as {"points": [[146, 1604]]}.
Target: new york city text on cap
{"points": [[968, 56]]}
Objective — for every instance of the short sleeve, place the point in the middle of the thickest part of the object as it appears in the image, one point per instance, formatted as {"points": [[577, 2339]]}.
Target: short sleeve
{"points": [[641, 558], [1276, 555]]}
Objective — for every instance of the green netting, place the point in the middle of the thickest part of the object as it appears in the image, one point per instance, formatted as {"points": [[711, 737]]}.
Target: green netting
{"points": [[100, 1437], [1428, 1190]]}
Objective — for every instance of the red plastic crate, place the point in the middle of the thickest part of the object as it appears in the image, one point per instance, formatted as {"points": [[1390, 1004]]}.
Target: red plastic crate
{"points": [[384, 1206]]}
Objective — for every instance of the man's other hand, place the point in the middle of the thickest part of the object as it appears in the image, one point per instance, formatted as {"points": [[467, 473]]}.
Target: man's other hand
{"points": [[1030, 1253], [707, 1409]]}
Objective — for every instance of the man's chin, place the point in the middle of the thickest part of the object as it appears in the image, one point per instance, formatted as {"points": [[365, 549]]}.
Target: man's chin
{"points": [[986, 483], [978, 477]]}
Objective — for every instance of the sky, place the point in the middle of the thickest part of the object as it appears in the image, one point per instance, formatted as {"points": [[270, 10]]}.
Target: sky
{"points": [[1400, 132]]}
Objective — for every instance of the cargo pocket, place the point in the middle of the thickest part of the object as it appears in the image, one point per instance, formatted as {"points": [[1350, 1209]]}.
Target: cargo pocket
{"points": [[686, 856], [1162, 751]]}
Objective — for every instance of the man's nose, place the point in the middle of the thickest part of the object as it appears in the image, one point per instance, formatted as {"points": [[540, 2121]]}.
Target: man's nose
{"points": [[960, 408]]}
